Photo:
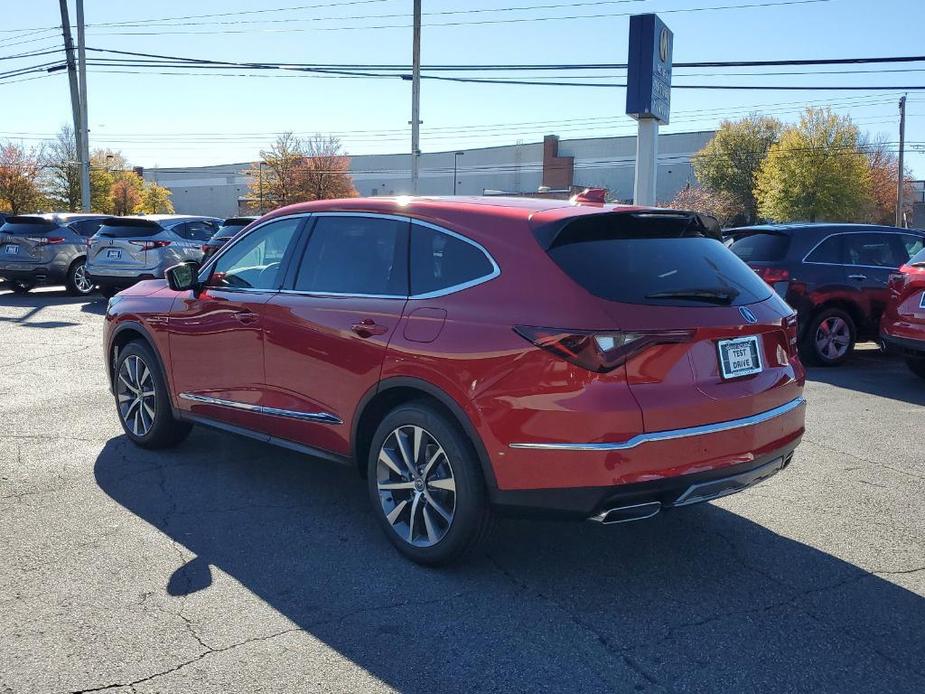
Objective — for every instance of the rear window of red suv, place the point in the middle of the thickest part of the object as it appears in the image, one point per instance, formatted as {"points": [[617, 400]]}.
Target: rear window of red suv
{"points": [[655, 260]]}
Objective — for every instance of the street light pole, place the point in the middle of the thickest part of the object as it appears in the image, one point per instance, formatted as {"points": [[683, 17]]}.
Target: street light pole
{"points": [[260, 184], [84, 140], [456, 156], [902, 148]]}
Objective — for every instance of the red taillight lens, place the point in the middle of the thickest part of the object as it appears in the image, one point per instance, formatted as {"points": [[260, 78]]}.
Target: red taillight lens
{"points": [[771, 275], [599, 351], [791, 327], [46, 240], [897, 281], [150, 245]]}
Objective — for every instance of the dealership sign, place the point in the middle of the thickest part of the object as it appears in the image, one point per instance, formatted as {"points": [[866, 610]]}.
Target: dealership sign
{"points": [[648, 84]]}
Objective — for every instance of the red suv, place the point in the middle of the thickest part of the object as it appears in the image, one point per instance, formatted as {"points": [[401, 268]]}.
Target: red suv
{"points": [[902, 328], [469, 355]]}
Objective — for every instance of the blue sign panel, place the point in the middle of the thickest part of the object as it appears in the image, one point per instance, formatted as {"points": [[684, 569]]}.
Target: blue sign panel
{"points": [[648, 84]]}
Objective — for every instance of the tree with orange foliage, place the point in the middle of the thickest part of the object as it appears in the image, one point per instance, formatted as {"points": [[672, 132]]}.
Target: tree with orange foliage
{"points": [[884, 179]]}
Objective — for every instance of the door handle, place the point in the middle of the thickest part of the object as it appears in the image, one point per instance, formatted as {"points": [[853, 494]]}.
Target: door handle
{"points": [[857, 277], [368, 328], [246, 317]]}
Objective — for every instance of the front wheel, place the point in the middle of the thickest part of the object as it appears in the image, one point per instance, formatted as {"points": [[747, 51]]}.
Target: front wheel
{"points": [[78, 282], [21, 287], [916, 365], [426, 485], [142, 399], [829, 338]]}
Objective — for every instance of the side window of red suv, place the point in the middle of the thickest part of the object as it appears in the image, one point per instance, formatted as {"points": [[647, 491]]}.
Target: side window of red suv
{"points": [[442, 261]]}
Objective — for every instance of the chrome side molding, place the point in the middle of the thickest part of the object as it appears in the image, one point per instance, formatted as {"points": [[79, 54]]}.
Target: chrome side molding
{"points": [[324, 417], [669, 434]]}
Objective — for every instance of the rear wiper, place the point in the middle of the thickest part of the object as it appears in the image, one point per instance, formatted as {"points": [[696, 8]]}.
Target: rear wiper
{"points": [[713, 296]]}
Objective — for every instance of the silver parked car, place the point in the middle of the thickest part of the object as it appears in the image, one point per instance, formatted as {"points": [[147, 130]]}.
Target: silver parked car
{"points": [[47, 249], [127, 250]]}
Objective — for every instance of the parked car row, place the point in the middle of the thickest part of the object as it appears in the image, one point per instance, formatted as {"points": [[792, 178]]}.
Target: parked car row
{"points": [[89, 251], [847, 282]]}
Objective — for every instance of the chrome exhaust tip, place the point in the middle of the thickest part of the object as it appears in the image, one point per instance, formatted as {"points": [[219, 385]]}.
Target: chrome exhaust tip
{"points": [[627, 514]]}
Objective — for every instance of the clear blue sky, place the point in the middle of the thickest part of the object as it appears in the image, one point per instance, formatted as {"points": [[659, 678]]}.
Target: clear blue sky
{"points": [[203, 119]]}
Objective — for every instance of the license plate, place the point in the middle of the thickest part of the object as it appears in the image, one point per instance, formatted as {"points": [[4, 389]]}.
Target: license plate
{"points": [[114, 253], [12, 249], [740, 357], [922, 301]]}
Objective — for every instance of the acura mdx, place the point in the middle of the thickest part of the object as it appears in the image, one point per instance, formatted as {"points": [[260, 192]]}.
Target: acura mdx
{"points": [[474, 355]]}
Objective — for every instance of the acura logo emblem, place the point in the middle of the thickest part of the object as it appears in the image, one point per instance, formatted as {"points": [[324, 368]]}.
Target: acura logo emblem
{"points": [[748, 315]]}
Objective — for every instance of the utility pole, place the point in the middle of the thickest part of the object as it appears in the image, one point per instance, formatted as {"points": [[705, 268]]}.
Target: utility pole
{"points": [[72, 79], [85, 128], [902, 147], [415, 96], [456, 156]]}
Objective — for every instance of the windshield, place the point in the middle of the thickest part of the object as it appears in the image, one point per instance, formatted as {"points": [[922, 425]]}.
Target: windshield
{"points": [[918, 258]]}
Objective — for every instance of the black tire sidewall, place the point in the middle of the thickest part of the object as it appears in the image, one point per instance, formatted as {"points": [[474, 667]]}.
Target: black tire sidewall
{"points": [[471, 509], [166, 429], [916, 365], [809, 351], [21, 287]]}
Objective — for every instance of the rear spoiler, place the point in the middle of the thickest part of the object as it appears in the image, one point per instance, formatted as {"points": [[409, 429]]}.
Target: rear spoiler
{"points": [[238, 221], [688, 224], [129, 222], [29, 219]]}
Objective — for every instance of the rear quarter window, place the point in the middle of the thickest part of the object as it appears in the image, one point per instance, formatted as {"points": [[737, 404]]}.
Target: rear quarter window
{"points": [[440, 261], [632, 260], [761, 247]]}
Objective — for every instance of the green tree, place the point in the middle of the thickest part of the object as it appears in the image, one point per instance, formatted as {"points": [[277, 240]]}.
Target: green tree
{"points": [[106, 167], [63, 171], [730, 161], [155, 199], [816, 171]]}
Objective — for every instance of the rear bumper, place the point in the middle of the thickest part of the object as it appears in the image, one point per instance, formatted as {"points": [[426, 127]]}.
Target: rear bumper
{"points": [[643, 499], [125, 280], [904, 345], [34, 273]]}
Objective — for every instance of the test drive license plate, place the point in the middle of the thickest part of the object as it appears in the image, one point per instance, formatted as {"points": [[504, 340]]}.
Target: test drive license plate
{"points": [[739, 357], [114, 253], [12, 249]]}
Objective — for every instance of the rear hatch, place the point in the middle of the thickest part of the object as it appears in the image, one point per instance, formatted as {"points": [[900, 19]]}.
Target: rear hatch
{"points": [[706, 339], [908, 294], [765, 252], [29, 240], [124, 244]]}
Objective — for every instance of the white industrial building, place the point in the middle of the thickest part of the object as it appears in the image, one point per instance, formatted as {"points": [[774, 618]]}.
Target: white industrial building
{"points": [[523, 168]]}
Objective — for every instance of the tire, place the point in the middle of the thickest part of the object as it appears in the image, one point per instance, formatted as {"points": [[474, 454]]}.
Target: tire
{"points": [[149, 423], [77, 282], [446, 497], [916, 365], [21, 287], [829, 338]]}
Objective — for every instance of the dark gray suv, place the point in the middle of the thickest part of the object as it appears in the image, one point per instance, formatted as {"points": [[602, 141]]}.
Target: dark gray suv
{"points": [[47, 249]]}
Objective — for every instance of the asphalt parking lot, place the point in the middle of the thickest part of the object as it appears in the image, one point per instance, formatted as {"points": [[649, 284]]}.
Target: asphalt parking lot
{"points": [[229, 566]]}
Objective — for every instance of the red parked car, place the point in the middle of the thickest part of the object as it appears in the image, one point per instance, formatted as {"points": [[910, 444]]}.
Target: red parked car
{"points": [[902, 328], [470, 355]]}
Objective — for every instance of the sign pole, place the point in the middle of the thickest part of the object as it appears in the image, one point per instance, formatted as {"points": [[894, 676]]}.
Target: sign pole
{"points": [[648, 96]]}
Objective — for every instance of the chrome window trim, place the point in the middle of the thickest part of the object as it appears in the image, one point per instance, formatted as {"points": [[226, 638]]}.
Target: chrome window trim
{"points": [[495, 272], [324, 417], [670, 434], [341, 295], [846, 233]]}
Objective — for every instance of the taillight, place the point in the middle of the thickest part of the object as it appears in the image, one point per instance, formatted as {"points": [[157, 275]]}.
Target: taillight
{"points": [[150, 245], [599, 351], [791, 328], [772, 275], [897, 281], [46, 240]]}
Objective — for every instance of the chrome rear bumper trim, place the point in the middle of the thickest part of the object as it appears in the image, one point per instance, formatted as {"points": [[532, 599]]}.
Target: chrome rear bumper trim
{"points": [[670, 434], [325, 417]]}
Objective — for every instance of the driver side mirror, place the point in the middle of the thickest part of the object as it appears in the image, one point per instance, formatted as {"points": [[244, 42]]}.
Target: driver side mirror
{"points": [[183, 277]]}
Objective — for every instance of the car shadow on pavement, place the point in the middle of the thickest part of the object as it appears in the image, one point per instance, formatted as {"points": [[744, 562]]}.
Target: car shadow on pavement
{"points": [[701, 599], [35, 301], [872, 371]]}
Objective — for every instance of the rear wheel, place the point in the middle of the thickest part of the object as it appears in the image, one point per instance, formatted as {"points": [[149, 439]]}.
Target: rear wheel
{"points": [[21, 287], [916, 365], [142, 399], [78, 282], [829, 338], [426, 485]]}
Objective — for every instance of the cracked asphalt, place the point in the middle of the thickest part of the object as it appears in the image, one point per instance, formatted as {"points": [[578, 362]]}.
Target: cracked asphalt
{"points": [[229, 566]]}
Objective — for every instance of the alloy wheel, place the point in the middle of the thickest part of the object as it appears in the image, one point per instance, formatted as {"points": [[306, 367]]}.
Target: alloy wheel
{"points": [[416, 486], [136, 395], [833, 337], [82, 280]]}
